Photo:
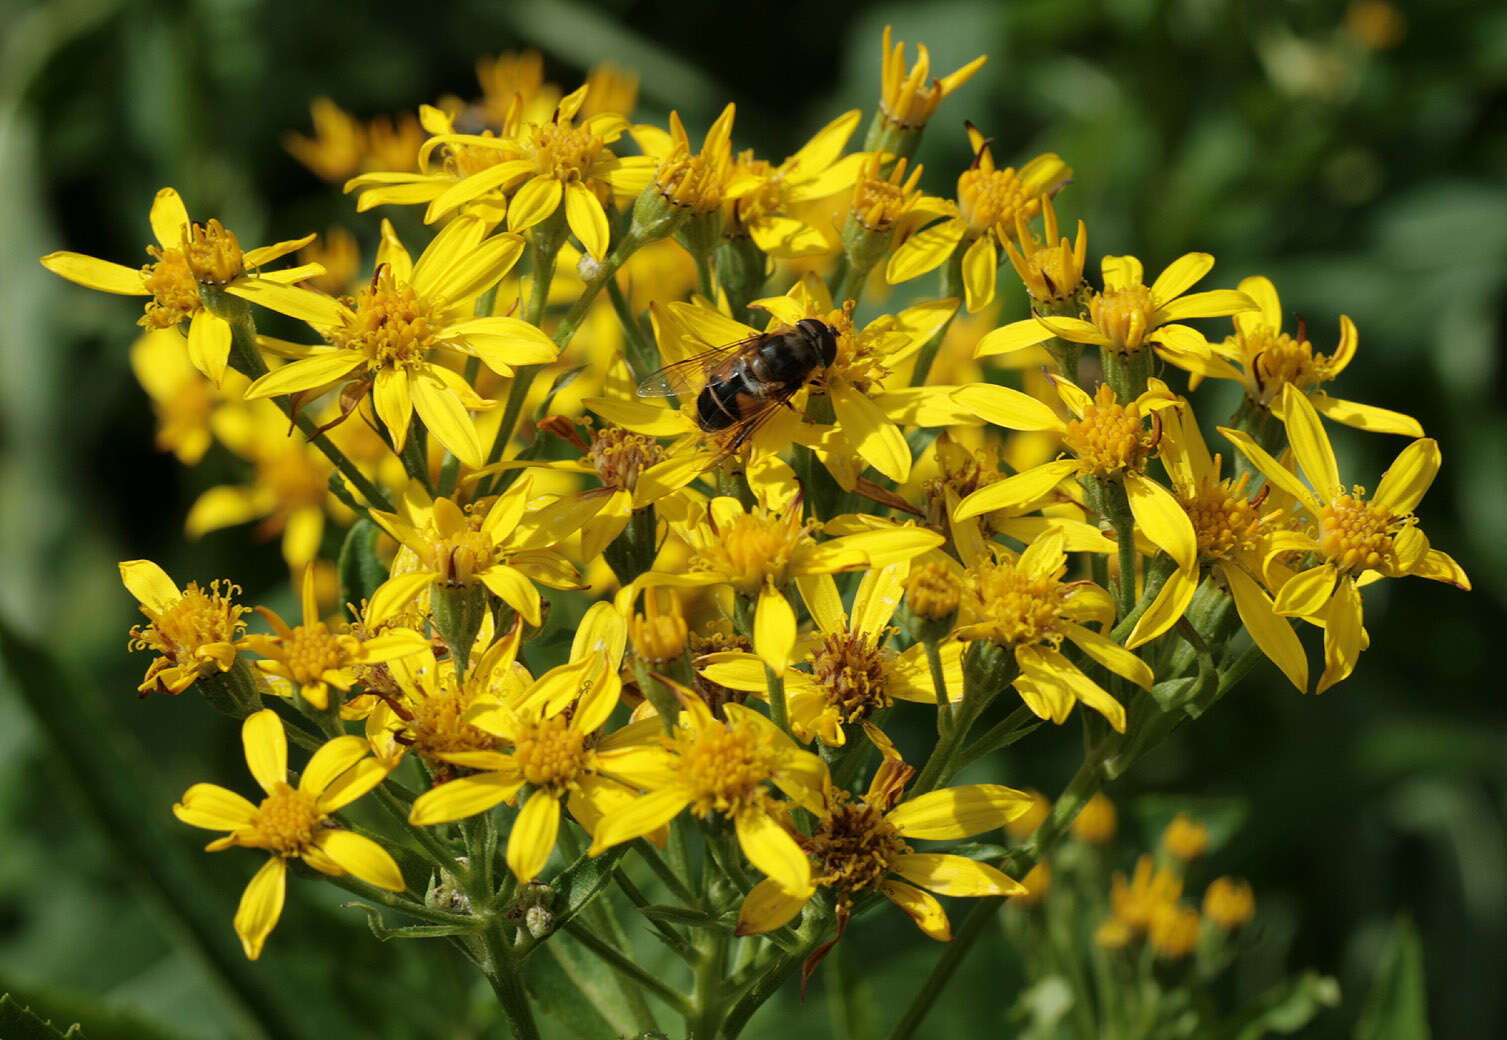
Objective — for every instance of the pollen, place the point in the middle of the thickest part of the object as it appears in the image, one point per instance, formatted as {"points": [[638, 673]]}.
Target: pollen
{"points": [[438, 725], [200, 617], [1225, 520], [851, 669], [1125, 315], [619, 456], [550, 754], [1019, 609], [311, 650], [879, 201], [724, 767], [459, 558], [285, 822], [393, 324], [213, 254], [854, 848], [931, 592], [995, 201], [1110, 437], [754, 550], [174, 289], [1354, 534], [560, 150]]}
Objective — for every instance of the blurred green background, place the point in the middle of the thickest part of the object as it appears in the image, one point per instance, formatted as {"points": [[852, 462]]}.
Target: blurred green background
{"points": [[1356, 154]]}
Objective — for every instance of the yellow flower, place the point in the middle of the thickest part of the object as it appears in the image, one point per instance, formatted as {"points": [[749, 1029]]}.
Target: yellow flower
{"points": [[989, 201], [722, 767], [1136, 903], [556, 749], [1024, 825], [1127, 316], [1108, 440], [1051, 272], [292, 822], [1264, 360], [1354, 540], [339, 142], [1185, 838], [891, 201], [314, 659], [194, 630], [759, 552], [410, 310], [762, 193], [502, 548], [852, 674], [1229, 902], [182, 398], [906, 99], [868, 412], [1174, 931], [1232, 529], [539, 166], [1022, 604], [186, 256], [1095, 822], [858, 844]]}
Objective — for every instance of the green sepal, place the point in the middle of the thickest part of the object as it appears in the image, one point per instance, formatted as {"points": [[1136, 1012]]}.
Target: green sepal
{"points": [[237, 692], [458, 613]]}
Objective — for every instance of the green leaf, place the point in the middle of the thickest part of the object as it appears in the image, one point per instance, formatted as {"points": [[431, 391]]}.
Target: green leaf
{"points": [[107, 1021], [1397, 1006], [683, 915], [18, 1023], [581, 882], [1285, 1008], [361, 572], [416, 931], [572, 993]]}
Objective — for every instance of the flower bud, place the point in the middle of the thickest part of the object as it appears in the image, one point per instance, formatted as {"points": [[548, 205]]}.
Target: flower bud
{"points": [[931, 602], [658, 634], [1185, 838], [1229, 902], [1096, 822]]}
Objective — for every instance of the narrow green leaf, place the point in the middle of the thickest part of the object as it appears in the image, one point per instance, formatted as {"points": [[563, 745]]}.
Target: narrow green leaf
{"points": [[415, 931], [18, 1023], [1397, 1006], [361, 572], [1286, 1008]]}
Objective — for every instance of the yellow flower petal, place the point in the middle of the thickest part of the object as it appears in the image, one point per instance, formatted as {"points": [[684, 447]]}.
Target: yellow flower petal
{"points": [[1161, 518], [1409, 477], [1179, 276], [1170, 604], [1279, 475], [534, 833], [923, 251], [515, 590], [774, 629], [770, 847], [1365, 417], [922, 908], [396, 593], [1110, 654], [317, 309], [586, 218], [1310, 444], [1007, 407], [333, 758], [958, 812], [214, 808], [353, 783], [209, 344], [951, 875], [461, 798], [362, 858], [477, 270], [93, 273], [150, 584], [311, 373], [768, 906], [266, 749], [1046, 667], [446, 419], [645, 814], [394, 405], [879, 593], [1216, 303], [879, 441], [1018, 335], [819, 592], [1023, 488], [1306, 593], [1273, 634], [169, 218], [533, 202], [261, 906], [1343, 634], [980, 272]]}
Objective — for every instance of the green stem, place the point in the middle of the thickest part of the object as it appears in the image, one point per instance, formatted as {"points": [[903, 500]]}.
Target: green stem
{"points": [[439, 855], [394, 901], [704, 283], [952, 288], [1002, 734], [627, 967], [503, 973], [662, 869], [945, 719], [779, 711], [671, 936], [247, 359], [772, 977]]}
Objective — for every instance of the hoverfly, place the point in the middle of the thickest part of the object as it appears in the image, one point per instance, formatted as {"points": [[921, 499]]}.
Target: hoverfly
{"points": [[739, 386]]}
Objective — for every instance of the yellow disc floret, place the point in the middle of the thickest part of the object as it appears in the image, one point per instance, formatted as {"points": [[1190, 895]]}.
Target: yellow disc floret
{"points": [[1229, 902], [1356, 535], [1125, 315], [550, 754], [931, 592], [619, 456], [174, 289], [854, 848], [754, 549], [1224, 519], [393, 324], [879, 201], [1015, 608], [311, 650], [993, 201], [560, 150], [1053, 270], [1110, 438], [213, 254], [724, 766], [850, 667], [285, 822]]}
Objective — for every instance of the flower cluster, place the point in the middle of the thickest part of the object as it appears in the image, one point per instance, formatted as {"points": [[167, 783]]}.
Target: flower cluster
{"points": [[653, 526]]}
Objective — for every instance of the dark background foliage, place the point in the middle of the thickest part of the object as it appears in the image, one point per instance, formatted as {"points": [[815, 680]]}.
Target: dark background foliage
{"points": [[1364, 172]]}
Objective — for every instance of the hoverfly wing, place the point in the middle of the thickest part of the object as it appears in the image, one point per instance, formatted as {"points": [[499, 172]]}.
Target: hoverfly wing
{"points": [[687, 376]]}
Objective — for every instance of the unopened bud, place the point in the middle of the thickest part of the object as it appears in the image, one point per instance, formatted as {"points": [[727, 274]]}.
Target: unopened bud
{"points": [[1185, 839], [1096, 822], [1229, 902], [658, 634]]}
